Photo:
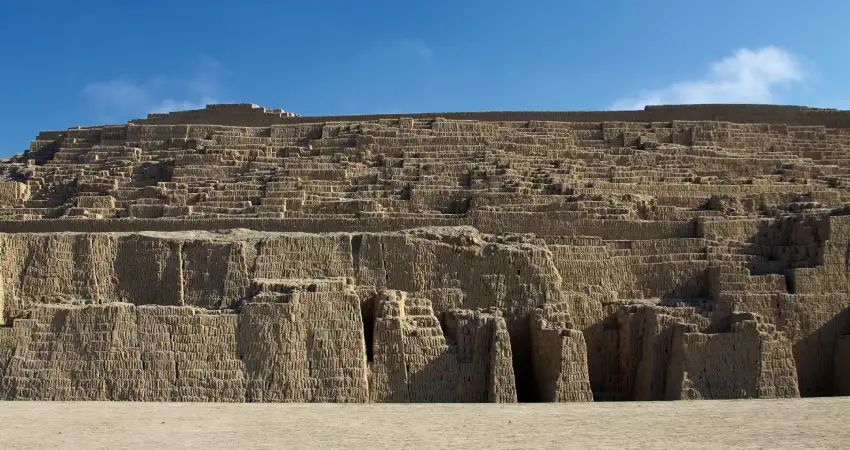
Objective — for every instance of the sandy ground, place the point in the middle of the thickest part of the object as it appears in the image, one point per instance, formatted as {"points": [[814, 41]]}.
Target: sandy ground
{"points": [[809, 423]]}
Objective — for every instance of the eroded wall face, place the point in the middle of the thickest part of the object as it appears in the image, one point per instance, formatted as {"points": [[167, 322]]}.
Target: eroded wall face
{"points": [[120, 352], [814, 313], [414, 361], [714, 367], [258, 256], [752, 361], [559, 356], [307, 350], [293, 328]]}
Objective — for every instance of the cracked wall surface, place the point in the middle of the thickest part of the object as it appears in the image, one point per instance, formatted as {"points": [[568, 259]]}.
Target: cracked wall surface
{"points": [[242, 254]]}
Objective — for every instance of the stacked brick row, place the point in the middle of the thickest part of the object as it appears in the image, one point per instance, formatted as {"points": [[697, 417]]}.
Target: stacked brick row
{"points": [[391, 167]]}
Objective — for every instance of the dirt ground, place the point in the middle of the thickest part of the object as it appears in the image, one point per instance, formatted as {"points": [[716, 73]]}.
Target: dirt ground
{"points": [[809, 423]]}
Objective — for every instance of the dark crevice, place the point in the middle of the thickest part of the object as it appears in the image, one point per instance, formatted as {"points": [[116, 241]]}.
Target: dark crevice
{"points": [[367, 313], [181, 261], [356, 244], [847, 259], [526, 387], [28, 264], [251, 253], [790, 282], [59, 321]]}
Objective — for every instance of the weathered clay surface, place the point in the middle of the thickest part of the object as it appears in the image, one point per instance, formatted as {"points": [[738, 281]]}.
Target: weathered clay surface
{"points": [[248, 255]]}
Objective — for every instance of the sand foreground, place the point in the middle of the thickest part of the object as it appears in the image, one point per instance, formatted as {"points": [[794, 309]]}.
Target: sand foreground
{"points": [[806, 423]]}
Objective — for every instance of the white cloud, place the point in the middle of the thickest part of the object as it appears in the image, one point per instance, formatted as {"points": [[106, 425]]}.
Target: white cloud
{"points": [[125, 98], [748, 76]]}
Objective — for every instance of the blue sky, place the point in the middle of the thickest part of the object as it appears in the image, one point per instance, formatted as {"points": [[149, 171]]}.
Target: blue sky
{"points": [[93, 62]]}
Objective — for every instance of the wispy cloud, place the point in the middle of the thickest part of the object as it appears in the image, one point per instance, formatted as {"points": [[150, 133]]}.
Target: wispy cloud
{"points": [[126, 97], [415, 47], [400, 50], [747, 76]]}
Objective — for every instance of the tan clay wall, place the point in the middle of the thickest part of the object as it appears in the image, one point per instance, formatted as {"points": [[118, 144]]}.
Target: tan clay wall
{"points": [[13, 193], [160, 269], [714, 366], [453, 269], [390, 258], [559, 356], [414, 361], [752, 361], [119, 351]]}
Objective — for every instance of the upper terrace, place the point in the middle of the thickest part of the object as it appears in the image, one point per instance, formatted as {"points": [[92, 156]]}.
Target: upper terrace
{"points": [[245, 114]]}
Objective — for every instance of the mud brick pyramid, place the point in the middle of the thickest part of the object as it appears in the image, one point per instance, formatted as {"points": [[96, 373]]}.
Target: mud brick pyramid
{"points": [[242, 254]]}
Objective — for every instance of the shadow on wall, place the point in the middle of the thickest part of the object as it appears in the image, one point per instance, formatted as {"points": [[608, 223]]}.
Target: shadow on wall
{"points": [[519, 330], [151, 173], [813, 310], [815, 356], [788, 243], [416, 357]]}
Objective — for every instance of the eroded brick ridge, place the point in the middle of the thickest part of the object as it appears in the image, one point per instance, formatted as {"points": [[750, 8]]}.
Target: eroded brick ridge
{"points": [[242, 254]]}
